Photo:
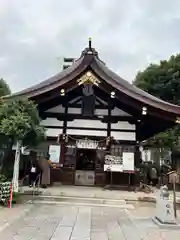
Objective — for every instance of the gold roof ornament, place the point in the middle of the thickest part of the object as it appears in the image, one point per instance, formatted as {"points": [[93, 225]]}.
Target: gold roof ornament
{"points": [[88, 77], [178, 120]]}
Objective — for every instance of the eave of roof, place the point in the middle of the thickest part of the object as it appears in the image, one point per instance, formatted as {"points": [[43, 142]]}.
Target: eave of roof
{"points": [[131, 90], [89, 59]]}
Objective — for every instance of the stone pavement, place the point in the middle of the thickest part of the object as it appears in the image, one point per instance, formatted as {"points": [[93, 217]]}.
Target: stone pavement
{"points": [[7, 216], [98, 192], [45, 222]]}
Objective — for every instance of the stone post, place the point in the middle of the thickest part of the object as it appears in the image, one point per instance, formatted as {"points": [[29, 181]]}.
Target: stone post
{"points": [[164, 208], [15, 180]]}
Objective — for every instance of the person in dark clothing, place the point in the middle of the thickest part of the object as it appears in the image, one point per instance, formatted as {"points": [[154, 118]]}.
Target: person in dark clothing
{"points": [[45, 164], [154, 176], [33, 174]]}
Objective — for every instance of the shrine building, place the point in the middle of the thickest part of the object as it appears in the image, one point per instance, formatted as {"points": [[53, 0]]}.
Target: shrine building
{"points": [[95, 121]]}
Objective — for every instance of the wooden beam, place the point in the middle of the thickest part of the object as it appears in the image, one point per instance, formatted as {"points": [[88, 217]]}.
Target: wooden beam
{"points": [[101, 101], [54, 96], [65, 117], [51, 100], [109, 118], [75, 100], [77, 105]]}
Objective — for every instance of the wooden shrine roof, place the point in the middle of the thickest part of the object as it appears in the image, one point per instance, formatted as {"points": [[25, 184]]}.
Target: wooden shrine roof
{"points": [[89, 60]]}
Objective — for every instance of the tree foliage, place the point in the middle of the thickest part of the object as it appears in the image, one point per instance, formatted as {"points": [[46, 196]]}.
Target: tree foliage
{"points": [[4, 88], [163, 81], [19, 121]]}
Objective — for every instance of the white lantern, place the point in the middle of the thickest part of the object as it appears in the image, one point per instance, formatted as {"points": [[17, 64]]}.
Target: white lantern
{"points": [[144, 110]]}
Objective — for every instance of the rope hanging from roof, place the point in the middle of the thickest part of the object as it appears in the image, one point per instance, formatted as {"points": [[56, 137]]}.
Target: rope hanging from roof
{"points": [[65, 138], [77, 139]]}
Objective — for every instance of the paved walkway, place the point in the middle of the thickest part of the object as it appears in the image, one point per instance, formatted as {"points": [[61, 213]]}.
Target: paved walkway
{"points": [[45, 222], [7, 216], [97, 192]]}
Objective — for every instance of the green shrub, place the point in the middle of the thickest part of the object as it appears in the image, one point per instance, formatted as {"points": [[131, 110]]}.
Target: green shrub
{"points": [[3, 178]]}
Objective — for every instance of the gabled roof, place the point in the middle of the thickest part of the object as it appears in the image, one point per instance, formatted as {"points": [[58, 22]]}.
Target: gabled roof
{"points": [[89, 59]]}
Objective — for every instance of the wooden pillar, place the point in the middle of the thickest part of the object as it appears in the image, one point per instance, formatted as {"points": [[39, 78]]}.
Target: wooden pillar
{"points": [[65, 117], [137, 151], [64, 132], [137, 154], [109, 119], [109, 136]]}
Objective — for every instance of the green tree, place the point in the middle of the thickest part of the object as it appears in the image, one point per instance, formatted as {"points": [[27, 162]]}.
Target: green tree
{"points": [[4, 88], [163, 81], [5, 144], [20, 121], [20, 124]]}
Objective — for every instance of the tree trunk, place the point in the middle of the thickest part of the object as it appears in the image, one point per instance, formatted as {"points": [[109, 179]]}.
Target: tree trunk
{"points": [[15, 180]]}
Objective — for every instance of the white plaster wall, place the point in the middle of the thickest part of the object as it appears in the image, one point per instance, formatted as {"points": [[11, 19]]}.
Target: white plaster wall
{"points": [[51, 122], [129, 136], [115, 111], [51, 132], [123, 125], [57, 109], [99, 112], [126, 136], [86, 132], [88, 123], [119, 112], [74, 110]]}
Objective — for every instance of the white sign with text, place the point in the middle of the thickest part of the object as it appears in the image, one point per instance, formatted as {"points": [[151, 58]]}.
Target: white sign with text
{"points": [[54, 151], [113, 163], [86, 144], [128, 161]]}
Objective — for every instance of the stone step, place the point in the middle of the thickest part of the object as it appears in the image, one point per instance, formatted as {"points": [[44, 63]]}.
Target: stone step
{"points": [[80, 203], [87, 200]]}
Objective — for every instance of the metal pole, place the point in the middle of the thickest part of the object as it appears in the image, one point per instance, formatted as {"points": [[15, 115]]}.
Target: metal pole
{"points": [[110, 178], [174, 199], [129, 183]]}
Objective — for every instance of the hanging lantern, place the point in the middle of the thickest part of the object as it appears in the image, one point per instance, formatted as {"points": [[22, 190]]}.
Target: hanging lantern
{"points": [[66, 138], [144, 110], [58, 138], [54, 165], [113, 94], [62, 92], [108, 139]]}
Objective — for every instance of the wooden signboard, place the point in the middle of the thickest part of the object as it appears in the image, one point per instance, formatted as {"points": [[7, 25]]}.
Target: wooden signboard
{"points": [[86, 144], [113, 163], [128, 161], [54, 152]]}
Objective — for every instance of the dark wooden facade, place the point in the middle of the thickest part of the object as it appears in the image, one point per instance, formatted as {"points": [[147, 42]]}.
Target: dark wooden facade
{"points": [[89, 86]]}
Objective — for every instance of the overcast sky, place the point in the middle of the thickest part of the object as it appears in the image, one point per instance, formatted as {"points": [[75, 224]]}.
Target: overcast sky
{"points": [[35, 35]]}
